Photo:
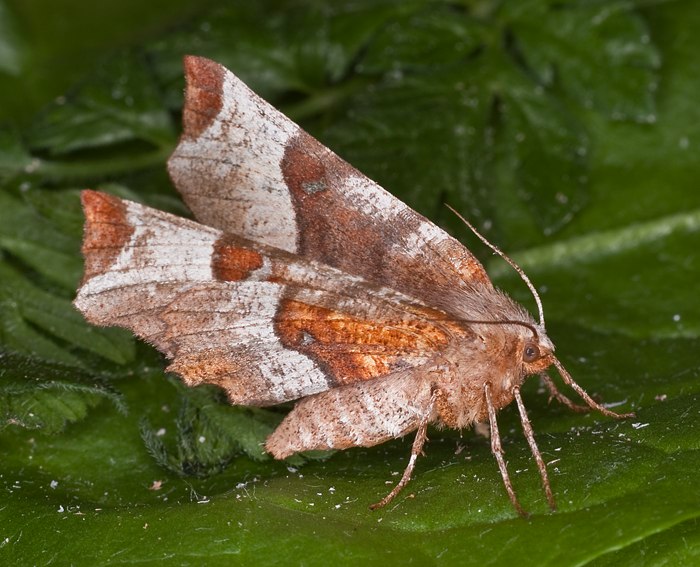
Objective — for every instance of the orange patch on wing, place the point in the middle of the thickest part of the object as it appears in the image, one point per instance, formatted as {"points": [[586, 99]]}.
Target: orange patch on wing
{"points": [[209, 367], [472, 270], [203, 100], [231, 369], [352, 349], [234, 263], [106, 231]]}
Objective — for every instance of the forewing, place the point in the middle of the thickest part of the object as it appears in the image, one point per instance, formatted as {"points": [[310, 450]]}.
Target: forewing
{"points": [[265, 325], [245, 168]]}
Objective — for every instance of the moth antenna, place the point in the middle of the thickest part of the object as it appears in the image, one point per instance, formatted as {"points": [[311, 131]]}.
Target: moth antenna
{"points": [[532, 328], [507, 258], [584, 395]]}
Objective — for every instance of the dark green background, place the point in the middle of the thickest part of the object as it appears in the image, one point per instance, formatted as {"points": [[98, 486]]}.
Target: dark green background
{"points": [[567, 130]]}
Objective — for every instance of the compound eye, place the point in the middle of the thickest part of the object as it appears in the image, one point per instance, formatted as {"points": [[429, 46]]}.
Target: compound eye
{"points": [[531, 352]]}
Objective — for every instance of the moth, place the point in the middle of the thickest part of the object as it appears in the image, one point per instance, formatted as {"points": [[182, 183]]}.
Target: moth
{"points": [[304, 280]]}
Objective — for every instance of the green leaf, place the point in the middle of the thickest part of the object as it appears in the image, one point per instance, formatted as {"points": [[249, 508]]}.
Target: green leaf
{"points": [[619, 492], [655, 252], [600, 52], [428, 33], [495, 107], [56, 43], [37, 395], [12, 46], [120, 103], [210, 434], [300, 51], [38, 242], [14, 157], [677, 546], [445, 152], [549, 150], [39, 319], [120, 107]]}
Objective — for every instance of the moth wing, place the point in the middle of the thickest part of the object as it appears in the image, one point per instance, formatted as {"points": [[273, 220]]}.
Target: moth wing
{"points": [[245, 168], [263, 324]]}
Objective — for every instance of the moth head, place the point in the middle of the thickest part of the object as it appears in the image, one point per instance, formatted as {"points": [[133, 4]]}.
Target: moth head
{"points": [[516, 349], [527, 351], [536, 351], [515, 343]]}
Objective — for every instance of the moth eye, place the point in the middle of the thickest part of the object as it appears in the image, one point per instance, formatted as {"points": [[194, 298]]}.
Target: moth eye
{"points": [[531, 352]]}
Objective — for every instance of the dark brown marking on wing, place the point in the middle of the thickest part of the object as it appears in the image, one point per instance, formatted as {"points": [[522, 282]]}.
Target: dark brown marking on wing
{"points": [[106, 231], [308, 165], [342, 234], [231, 262], [203, 95]]}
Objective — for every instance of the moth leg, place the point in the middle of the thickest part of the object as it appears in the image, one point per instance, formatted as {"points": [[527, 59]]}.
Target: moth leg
{"points": [[554, 393], [498, 452], [416, 449], [586, 398], [530, 436]]}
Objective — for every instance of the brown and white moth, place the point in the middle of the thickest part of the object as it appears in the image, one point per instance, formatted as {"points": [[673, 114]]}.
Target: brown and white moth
{"points": [[304, 280]]}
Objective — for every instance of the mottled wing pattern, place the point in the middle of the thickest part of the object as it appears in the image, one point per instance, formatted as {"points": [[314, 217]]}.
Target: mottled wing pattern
{"points": [[265, 325], [245, 168]]}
